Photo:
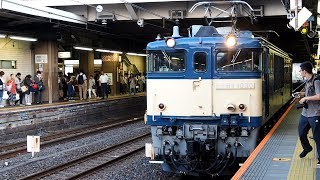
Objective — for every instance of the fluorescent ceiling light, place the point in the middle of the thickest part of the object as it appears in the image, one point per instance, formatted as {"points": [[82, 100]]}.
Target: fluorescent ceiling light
{"points": [[22, 38], [109, 51], [136, 54], [83, 48], [2, 36]]}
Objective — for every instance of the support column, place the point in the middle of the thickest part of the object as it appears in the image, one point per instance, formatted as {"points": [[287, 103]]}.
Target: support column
{"points": [[49, 68], [86, 62], [110, 64]]}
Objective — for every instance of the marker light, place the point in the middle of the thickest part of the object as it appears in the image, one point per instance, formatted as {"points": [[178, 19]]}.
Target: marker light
{"points": [[171, 42], [304, 30], [242, 107], [230, 40], [161, 106]]}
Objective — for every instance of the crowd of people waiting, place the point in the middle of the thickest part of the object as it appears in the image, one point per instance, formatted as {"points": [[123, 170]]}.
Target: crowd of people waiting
{"points": [[18, 91], [97, 85]]}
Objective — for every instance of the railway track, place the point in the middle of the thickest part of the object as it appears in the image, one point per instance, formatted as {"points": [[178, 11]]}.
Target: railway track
{"points": [[88, 164], [12, 150]]}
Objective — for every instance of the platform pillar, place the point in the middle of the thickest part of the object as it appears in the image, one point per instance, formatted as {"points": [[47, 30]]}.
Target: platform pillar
{"points": [[48, 65], [110, 65], [86, 62]]}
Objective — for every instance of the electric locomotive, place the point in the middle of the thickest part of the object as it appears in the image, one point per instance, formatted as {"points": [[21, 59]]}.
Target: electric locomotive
{"points": [[209, 94]]}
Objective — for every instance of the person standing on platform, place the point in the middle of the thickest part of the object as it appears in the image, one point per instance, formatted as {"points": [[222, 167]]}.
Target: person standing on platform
{"points": [[38, 79], [2, 87], [310, 116], [28, 83], [132, 84], [92, 87], [103, 81], [18, 82], [139, 82], [126, 82], [11, 89], [98, 89], [82, 85], [70, 88], [121, 84]]}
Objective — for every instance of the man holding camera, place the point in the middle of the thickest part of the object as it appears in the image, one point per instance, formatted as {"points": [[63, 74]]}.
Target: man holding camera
{"points": [[310, 115]]}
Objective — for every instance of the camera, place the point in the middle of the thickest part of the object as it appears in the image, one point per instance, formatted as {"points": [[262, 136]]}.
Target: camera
{"points": [[304, 105], [295, 95]]}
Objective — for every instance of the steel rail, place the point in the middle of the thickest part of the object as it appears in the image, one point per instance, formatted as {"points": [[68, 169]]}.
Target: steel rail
{"points": [[85, 159], [21, 148]]}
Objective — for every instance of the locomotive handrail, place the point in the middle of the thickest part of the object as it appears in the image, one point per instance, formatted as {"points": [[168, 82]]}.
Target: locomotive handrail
{"points": [[296, 89]]}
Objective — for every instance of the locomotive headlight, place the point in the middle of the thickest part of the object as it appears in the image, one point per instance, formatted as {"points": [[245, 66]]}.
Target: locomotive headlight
{"points": [[230, 40], [171, 42], [231, 107], [161, 106], [242, 107]]}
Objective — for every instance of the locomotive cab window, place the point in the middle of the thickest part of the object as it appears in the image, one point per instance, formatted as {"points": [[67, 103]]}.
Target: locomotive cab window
{"points": [[200, 62], [243, 60], [166, 61]]}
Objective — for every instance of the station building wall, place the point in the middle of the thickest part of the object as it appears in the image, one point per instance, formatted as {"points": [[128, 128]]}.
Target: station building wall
{"points": [[18, 51]]}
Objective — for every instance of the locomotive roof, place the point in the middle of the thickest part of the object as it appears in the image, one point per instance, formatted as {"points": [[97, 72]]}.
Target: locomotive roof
{"points": [[187, 42]]}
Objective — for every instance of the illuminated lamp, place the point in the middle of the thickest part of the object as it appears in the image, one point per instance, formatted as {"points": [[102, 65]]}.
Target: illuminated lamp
{"points": [[171, 42], [304, 30], [230, 40]]}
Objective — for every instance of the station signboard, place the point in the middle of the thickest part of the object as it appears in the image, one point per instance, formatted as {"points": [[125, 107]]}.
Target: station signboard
{"points": [[64, 55]]}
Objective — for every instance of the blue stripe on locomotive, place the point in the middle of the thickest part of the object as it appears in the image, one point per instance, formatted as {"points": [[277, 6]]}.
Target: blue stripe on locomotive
{"points": [[202, 44], [180, 120]]}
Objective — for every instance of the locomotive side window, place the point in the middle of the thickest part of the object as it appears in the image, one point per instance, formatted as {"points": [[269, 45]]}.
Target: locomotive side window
{"points": [[245, 60], [166, 61], [200, 62]]}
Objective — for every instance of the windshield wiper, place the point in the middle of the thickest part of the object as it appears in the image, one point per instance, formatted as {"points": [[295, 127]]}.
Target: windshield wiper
{"points": [[165, 55], [235, 56], [167, 58]]}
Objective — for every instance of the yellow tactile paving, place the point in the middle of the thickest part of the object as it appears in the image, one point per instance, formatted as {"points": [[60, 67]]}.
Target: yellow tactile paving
{"points": [[303, 168]]}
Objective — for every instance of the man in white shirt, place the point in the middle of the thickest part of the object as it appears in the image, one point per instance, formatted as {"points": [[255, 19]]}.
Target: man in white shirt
{"points": [[103, 81]]}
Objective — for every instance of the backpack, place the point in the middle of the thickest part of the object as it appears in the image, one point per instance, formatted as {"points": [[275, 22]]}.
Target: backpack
{"points": [[1, 85], [314, 79], [80, 79]]}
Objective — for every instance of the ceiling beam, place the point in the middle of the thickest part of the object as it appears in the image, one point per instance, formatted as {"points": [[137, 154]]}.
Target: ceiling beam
{"points": [[131, 11], [42, 11]]}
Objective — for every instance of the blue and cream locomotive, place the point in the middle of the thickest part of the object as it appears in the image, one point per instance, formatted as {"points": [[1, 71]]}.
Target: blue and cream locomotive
{"points": [[209, 94]]}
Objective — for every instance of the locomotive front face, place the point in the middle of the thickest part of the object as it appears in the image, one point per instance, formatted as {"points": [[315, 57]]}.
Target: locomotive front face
{"points": [[204, 105]]}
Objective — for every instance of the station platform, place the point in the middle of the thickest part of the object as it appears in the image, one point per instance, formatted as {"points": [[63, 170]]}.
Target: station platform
{"points": [[19, 121], [277, 156]]}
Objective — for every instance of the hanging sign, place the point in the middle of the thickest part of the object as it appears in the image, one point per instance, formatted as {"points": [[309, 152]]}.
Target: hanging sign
{"points": [[41, 58]]}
